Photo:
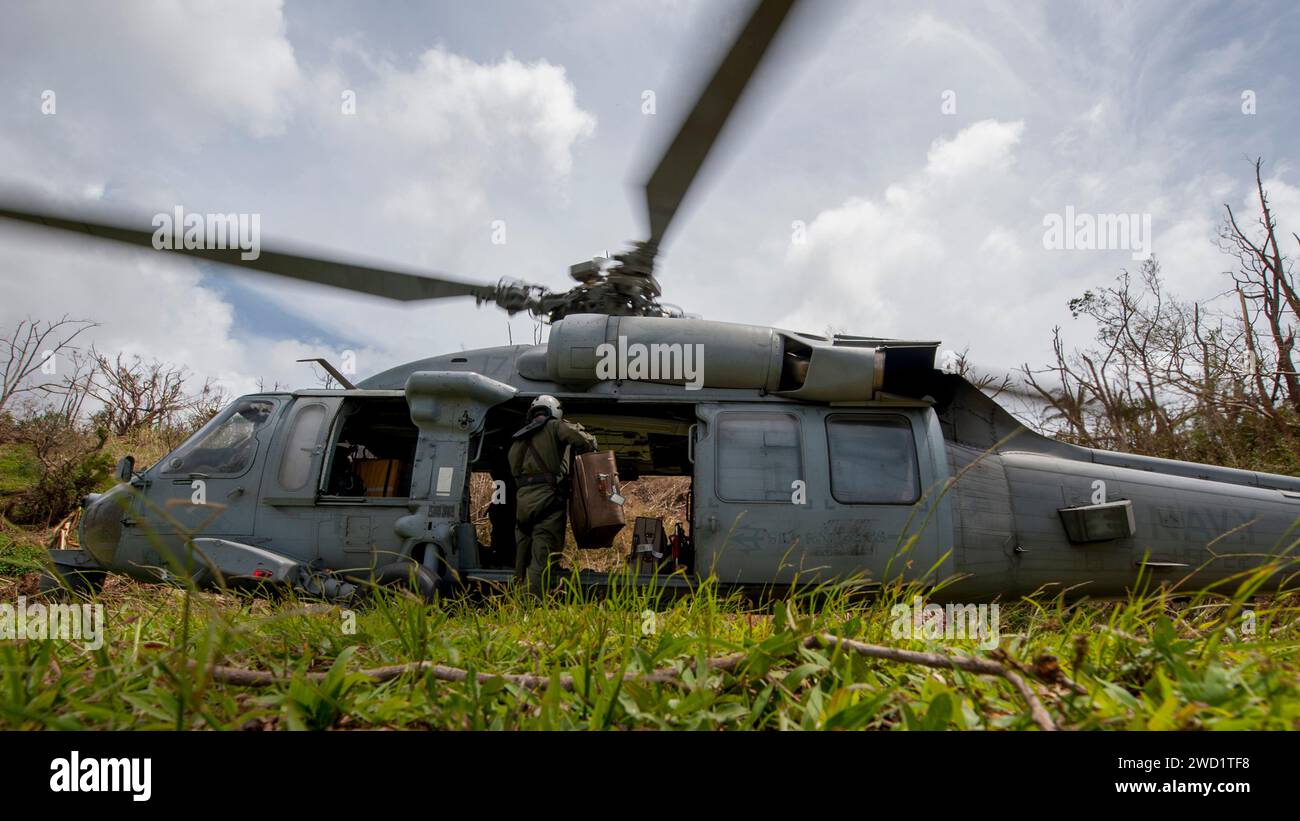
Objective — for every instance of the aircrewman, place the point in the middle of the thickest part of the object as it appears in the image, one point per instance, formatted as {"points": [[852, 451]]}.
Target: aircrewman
{"points": [[539, 463]]}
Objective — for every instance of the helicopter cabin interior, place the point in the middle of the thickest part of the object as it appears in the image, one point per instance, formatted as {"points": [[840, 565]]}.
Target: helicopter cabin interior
{"points": [[647, 441], [373, 444], [373, 449]]}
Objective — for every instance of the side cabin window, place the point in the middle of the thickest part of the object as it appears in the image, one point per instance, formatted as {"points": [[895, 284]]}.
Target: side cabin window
{"points": [[759, 456], [226, 445], [373, 449], [873, 460]]}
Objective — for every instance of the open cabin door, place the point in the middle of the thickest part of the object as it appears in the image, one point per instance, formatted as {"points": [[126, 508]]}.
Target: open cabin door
{"points": [[359, 479], [337, 481]]}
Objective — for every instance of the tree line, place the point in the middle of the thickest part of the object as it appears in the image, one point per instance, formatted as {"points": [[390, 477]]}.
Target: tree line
{"points": [[60, 404], [1206, 381]]}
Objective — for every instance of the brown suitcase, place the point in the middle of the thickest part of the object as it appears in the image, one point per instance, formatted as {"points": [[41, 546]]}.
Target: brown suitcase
{"points": [[595, 506]]}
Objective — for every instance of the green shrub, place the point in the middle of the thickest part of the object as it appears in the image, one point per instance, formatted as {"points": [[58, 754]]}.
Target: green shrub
{"points": [[58, 463]]}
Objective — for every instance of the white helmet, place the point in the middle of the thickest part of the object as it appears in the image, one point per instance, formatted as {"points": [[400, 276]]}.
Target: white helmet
{"points": [[547, 404]]}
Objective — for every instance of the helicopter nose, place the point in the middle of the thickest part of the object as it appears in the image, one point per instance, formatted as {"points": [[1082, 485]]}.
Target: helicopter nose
{"points": [[101, 525]]}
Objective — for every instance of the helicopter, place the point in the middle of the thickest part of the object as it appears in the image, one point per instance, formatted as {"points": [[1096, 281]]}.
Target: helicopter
{"points": [[811, 458]]}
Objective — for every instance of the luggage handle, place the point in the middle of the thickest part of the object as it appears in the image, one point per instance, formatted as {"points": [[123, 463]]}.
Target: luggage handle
{"points": [[608, 486]]}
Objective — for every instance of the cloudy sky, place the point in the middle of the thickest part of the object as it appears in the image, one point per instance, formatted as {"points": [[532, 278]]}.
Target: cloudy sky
{"points": [[891, 175]]}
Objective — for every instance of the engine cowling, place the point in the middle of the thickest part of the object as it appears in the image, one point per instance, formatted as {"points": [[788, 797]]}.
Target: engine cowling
{"points": [[588, 348]]}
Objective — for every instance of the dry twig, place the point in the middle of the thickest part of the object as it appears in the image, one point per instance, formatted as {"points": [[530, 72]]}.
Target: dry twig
{"points": [[669, 675]]}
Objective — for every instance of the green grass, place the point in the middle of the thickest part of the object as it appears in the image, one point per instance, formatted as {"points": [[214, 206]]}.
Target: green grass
{"points": [[19, 468], [20, 551], [1150, 661]]}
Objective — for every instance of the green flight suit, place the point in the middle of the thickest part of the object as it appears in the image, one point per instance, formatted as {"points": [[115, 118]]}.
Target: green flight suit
{"points": [[541, 511]]}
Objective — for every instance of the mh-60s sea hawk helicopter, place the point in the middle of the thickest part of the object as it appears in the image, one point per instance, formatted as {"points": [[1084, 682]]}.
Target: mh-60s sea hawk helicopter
{"points": [[809, 457]]}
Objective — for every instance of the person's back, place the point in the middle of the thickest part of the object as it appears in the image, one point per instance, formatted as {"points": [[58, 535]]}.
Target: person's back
{"points": [[540, 457], [539, 464]]}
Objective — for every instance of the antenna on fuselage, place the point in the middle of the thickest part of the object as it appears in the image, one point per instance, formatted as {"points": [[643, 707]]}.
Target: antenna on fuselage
{"points": [[332, 371]]}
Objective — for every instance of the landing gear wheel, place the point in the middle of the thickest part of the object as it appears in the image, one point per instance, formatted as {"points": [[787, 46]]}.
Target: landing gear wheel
{"points": [[412, 577]]}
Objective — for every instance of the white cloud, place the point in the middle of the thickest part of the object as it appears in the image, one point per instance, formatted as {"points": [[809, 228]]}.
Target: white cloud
{"points": [[412, 175], [214, 64], [447, 100], [232, 57], [983, 147], [439, 135], [875, 257], [1002, 245]]}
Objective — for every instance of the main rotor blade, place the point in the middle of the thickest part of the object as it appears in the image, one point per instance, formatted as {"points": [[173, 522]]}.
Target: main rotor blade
{"points": [[679, 165], [362, 277]]}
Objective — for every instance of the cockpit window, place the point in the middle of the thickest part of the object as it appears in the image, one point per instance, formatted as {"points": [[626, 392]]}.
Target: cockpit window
{"points": [[227, 444]]}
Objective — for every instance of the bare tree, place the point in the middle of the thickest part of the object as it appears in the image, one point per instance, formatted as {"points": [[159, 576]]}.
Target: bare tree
{"points": [[136, 394], [1267, 295], [1211, 381], [1127, 389], [74, 389], [31, 346], [993, 384], [323, 378], [204, 405]]}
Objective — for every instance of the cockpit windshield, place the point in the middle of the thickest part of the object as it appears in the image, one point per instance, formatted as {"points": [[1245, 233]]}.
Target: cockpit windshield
{"points": [[227, 444]]}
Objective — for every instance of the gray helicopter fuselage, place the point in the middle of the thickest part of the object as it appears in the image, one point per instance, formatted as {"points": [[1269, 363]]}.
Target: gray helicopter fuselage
{"points": [[938, 482]]}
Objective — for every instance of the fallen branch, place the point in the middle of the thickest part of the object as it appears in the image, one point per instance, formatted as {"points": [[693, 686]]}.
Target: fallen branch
{"points": [[668, 675], [1045, 669], [258, 678], [970, 664]]}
